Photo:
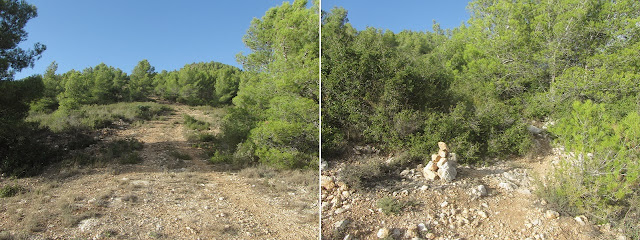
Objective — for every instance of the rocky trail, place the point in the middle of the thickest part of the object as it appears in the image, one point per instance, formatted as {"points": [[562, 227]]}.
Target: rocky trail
{"points": [[163, 197], [493, 202]]}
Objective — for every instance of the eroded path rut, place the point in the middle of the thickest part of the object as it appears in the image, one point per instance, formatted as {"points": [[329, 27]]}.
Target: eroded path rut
{"points": [[165, 197]]}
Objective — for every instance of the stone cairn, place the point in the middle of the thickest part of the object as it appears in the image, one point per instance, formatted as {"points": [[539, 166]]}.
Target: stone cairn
{"points": [[441, 165]]}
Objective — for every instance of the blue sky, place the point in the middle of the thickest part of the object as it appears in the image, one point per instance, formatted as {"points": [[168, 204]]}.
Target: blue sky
{"points": [[120, 33], [170, 34], [416, 15]]}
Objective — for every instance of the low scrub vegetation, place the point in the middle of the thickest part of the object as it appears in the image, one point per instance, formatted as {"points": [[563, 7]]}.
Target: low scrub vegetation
{"points": [[600, 175], [195, 124], [91, 117], [10, 190], [390, 205]]}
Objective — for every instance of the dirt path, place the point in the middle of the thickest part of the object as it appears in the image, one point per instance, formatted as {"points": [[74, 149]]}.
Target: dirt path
{"points": [[161, 198], [440, 210]]}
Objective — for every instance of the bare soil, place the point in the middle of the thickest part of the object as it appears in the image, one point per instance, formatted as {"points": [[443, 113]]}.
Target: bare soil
{"points": [[163, 197], [449, 210]]}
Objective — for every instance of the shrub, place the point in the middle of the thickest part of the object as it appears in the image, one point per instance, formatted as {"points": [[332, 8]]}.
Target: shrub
{"points": [[284, 144], [195, 124], [10, 190], [98, 116], [22, 151], [390, 205], [601, 175], [122, 151], [179, 155], [130, 158], [221, 157], [363, 175]]}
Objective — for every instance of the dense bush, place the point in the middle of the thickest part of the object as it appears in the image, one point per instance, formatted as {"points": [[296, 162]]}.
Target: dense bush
{"points": [[400, 91], [195, 124], [210, 83], [22, 151], [479, 86], [602, 172], [275, 116]]}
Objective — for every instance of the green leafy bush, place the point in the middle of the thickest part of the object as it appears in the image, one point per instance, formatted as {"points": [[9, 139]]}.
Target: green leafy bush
{"points": [[10, 190], [390, 205], [602, 172], [284, 144], [98, 116], [195, 124]]}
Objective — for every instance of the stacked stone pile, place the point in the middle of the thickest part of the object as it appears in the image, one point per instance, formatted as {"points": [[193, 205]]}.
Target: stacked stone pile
{"points": [[442, 165]]}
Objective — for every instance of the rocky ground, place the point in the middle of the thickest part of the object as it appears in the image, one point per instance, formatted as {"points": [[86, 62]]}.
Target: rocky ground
{"points": [[493, 202], [163, 197]]}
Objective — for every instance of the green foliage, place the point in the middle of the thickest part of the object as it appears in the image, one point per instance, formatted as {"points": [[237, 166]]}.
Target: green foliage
{"points": [[22, 150], [101, 84], [274, 120], [141, 82], [284, 144], [180, 155], [10, 190], [14, 16], [195, 124], [221, 157], [603, 171], [402, 91], [390, 205], [210, 83], [98, 116]]}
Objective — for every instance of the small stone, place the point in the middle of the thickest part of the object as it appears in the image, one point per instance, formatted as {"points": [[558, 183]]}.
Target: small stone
{"points": [[327, 183], [348, 237], [405, 172], [383, 233], [444, 204], [412, 231], [507, 186], [550, 214], [524, 191], [340, 225], [442, 146], [605, 227], [482, 214], [535, 221], [422, 227], [428, 173], [479, 191], [340, 210], [140, 183], [424, 188], [582, 220], [88, 224], [543, 202], [430, 236], [396, 233], [345, 194], [447, 171], [323, 165], [534, 129]]}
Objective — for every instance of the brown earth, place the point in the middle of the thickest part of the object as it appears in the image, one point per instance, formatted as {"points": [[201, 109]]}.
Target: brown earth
{"points": [[449, 210], [163, 197]]}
